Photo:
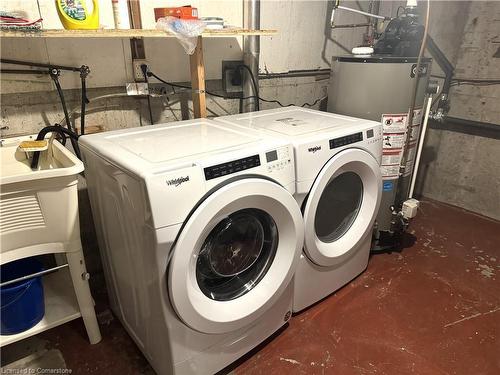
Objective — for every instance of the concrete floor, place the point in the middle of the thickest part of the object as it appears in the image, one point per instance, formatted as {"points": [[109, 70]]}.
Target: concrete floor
{"points": [[434, 308]]}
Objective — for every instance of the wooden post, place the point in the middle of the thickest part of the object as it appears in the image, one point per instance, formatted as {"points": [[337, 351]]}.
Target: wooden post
{"points": [[198, 80]]}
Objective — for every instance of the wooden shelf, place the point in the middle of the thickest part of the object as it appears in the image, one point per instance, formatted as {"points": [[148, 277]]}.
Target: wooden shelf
{"points": [[60, 306], [131, 33], [196, 59]]}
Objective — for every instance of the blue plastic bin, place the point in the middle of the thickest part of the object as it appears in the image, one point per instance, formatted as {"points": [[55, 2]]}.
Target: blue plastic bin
{"points": [[22, 304]]}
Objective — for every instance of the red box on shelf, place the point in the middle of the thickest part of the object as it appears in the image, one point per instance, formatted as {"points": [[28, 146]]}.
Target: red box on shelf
{"points": [[186, 12]]}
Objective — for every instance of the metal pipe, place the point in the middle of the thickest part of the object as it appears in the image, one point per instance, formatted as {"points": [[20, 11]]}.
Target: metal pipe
{"points": [[362, 12], [251, 52], [420, 145], [466, 126], [443, 63], [375, 9], [41, 273], [351, 25], [24, 71], [40, 65], [298, 73]]}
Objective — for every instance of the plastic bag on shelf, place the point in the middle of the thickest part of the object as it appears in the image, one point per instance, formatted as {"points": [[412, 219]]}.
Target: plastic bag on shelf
{"points": [[186, 31]]}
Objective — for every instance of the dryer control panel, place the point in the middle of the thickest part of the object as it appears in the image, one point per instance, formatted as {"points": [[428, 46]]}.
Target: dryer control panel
{"points": [[232, 166], [278, 159], [346, 140]]}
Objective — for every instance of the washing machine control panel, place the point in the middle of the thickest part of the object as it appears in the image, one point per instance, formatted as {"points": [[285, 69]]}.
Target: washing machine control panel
{"points": [[278, 159], [346, 140], [232, 166]]}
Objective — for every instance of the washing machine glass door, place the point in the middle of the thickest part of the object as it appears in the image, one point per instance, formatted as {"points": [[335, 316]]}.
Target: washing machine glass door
{"points": [[341, 206], [235, 255]]}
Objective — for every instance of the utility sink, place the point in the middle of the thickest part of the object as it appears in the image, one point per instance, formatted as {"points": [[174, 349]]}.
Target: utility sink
{"points": [[38, 209], [56, 161]]}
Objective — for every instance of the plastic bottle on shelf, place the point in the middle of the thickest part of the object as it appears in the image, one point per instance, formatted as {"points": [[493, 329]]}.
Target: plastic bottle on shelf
{"points": [[120, 14], [74, 15]]}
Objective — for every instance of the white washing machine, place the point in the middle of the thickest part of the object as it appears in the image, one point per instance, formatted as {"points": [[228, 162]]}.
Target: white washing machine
{"points": [[339, 186], [200, 237]]}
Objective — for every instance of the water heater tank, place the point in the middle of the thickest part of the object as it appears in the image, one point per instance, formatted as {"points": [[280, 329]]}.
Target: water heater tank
{"points": [[380, 88]]}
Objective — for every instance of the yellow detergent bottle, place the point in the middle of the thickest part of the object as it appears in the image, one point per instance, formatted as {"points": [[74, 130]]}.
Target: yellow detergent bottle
{"points": [[74, 16]]}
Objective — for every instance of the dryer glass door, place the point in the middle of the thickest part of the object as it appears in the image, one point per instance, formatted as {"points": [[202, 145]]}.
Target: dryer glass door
{"points": [[341, 206], [235, 255]]}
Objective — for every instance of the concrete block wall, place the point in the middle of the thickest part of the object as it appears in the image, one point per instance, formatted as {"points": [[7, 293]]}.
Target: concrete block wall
{"points": [[463, 169]]}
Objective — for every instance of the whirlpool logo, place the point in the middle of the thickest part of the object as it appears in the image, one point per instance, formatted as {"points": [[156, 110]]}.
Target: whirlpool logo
{"points": [[314, 149], [177, 181]]}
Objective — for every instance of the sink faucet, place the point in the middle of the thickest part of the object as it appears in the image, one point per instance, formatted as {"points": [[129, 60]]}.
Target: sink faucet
{"points": [[63, 132]]}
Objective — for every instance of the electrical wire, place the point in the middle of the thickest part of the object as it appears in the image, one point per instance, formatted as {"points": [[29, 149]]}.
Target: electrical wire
{"points": [[151, 74], [144, 69], [397, 11], [255, 86]]}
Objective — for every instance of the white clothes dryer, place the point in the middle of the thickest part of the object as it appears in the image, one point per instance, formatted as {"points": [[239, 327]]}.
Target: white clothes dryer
{"points": [[200, 237], [338, 185]]}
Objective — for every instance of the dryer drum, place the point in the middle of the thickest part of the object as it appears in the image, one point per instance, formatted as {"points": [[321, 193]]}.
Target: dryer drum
{"points": [[236, 254]]}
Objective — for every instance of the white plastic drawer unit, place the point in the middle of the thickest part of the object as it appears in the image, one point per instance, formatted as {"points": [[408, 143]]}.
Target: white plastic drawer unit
{"points": [[37, 207]]}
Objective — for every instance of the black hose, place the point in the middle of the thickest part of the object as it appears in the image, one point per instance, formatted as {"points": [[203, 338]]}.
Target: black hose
{"points": [[57, 129], [254, 83], [63, 101], [84, 102], [54, 75]]}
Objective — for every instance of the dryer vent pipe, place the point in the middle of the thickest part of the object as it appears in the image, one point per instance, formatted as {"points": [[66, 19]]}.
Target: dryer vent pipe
{"points": [[251, 51]]}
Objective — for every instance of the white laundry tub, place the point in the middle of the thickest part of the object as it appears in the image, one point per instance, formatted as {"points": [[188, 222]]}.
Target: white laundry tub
{"points": [[38, 209]]}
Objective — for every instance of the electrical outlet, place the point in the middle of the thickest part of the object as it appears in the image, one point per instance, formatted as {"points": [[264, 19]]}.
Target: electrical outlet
{"points": [[138, 75], [232, 78]]}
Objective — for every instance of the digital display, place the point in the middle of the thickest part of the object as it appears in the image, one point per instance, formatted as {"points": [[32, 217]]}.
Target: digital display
{"points": [[271, 156], [369, 133], [234, 166], [347, 140]]}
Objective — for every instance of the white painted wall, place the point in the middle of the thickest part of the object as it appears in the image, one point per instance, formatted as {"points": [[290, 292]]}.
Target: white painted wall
{"points": [[304, 41]]}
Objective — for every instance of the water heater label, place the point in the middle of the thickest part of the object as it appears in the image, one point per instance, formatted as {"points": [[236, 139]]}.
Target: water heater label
{"points": [[390, 172], [417, 116], [395, 126], [415, 132], [393, 140], [394, 123], [412, 151], [391, 157], [388, 186]]}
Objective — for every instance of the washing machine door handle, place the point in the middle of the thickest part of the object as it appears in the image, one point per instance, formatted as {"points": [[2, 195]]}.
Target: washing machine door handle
{"points": [[341, 206]]}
